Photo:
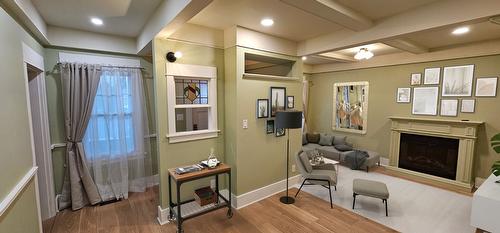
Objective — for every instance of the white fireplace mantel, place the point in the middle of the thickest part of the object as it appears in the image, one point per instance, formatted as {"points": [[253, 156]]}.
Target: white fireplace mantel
{"points": [[464, 131]]}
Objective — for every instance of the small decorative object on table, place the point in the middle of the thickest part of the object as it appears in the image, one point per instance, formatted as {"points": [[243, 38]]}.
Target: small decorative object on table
{"points": [[495, 144], [205, 196], [316, 158], [212, 161]]}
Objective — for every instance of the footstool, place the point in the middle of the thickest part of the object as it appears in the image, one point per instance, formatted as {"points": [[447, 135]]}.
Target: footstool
{"points": [[370, 188]]}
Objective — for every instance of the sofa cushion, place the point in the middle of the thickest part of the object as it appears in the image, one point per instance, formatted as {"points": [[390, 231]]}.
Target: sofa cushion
{"points": [[305, 162], [344, 147], [339, 140], [310, 146], [325, 139], [312, 137], [329, 152], [304, 139]]}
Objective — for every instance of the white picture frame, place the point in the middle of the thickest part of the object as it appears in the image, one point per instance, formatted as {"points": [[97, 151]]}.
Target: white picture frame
{"points": [[416, 79], [486, 87], [458, 81], [449, 107], [403, 95], [432, 76], [425, 100], [468, 106]]}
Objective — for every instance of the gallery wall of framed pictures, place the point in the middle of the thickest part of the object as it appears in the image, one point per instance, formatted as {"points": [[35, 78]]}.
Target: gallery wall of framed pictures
{"points": [[446, 90], [267, 108]]}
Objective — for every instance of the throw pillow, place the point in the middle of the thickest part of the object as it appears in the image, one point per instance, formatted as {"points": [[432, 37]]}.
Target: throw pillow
{"points": [[304, 159], [325, 139], [339, 140], [312, 137], [304, 139], [343, 147]]}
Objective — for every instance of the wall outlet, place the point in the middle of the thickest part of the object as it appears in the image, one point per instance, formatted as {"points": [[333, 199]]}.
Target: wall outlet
{"points": [[212, 183], [293, 168]]}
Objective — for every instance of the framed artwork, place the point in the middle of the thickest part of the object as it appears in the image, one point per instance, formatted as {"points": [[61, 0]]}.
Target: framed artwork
{"points": [[278, 100], [416, 79], [290, 101], [431, 76], [425, 100], [262, 110], [457, 80], [270, 126], [449, 108], [280, 132], [403, 95], [350, 107], [486, 87], [468, 106]]}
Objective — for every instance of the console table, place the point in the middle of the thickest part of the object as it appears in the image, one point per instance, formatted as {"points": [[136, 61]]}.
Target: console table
{"points": [[485, 206], [175, 208]]}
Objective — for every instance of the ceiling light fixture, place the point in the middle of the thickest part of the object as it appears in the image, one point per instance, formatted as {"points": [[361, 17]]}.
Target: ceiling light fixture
{"points": [[304, 58], [460, 30], [267, 22], [363, 53], [178, 54], [96, 21]]}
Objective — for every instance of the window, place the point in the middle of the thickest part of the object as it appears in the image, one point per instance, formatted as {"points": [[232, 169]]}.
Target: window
{"points": [[111, 128], [192, 102]]}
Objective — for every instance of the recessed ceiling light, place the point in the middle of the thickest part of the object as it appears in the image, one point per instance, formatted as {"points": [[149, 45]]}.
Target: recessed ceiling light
{"points": [[267, 22], [460, 30], [304, 58], [178, 54], [96, 21]]}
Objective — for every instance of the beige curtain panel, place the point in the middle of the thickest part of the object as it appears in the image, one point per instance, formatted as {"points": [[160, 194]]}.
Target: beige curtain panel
{"points": [[80, 82]]}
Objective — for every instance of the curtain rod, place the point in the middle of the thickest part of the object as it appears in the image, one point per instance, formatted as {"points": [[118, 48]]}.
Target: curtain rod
{"points": [[131, 67]]}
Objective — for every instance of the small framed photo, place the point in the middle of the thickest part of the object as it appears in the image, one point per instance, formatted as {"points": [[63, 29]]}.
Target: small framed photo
{"points": [[486, 87], [403, 95], [262, 110], [449, 107], [431, 76], [280, 132], [290, 101], [468, 106], [278, 100], [416, 79], [270, 126]]}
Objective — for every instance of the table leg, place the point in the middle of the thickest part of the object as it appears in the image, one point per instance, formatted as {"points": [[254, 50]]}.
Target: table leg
{"points": [[179, 215], [170, 203], [217, 188], [229, 211]]}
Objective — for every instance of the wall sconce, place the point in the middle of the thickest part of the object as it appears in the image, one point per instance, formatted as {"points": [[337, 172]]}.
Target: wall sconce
{"points": [[172, 57]]}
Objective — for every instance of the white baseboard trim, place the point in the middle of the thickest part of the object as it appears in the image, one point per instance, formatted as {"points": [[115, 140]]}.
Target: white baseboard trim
{"points": [[162, 216], [17, 190], [256, 195], [384, 161]]}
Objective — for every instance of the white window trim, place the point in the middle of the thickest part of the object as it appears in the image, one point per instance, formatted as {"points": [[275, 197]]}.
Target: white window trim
{"points": [[191, 71]]}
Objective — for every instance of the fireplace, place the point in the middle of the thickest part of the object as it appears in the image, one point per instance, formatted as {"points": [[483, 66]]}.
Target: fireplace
{"points": [[430, 155]]}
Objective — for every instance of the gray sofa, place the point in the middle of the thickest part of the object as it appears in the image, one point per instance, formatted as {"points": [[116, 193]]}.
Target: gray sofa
{"points": [[326, 143]]}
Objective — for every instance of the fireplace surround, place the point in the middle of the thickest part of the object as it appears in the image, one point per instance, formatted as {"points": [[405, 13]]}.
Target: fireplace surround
{"points": [[448, 162]]}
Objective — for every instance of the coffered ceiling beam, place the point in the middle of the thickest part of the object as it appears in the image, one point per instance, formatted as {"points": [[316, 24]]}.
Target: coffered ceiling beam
{"points": [[336, 57], [407, 46], [333, 12], [434, 15]]}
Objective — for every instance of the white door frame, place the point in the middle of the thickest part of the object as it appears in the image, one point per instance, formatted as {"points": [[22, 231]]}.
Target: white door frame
{"points": [[32, 58]]}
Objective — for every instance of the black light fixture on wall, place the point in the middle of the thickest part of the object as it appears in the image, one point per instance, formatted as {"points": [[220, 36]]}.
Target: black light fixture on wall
{"points": [[172, 57]]}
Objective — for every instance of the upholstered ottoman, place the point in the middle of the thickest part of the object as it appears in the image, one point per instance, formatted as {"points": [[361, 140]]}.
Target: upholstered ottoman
{"points": [[370, 188]]}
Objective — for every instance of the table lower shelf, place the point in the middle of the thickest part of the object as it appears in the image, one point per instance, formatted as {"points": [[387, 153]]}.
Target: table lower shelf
{"points": [[191, 209]]}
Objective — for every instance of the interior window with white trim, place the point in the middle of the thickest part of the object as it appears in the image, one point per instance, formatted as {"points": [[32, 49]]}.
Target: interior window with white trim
{"points": [[192, 102]]}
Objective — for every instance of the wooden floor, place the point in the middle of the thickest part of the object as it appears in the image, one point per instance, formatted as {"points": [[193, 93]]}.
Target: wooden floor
{"points": [[138, 214]]}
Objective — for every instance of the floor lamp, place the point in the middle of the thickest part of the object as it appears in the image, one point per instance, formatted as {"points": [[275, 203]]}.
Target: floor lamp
{"points": [[288, 120]]}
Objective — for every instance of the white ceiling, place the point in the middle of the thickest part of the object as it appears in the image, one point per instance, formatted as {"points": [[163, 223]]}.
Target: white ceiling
{"points": [[378, 9], [289, 22], [121, 17]]}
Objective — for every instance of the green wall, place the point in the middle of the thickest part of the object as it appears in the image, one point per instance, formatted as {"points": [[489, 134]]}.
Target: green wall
{"points": [[56, 114], [16, 154], [384, 82], [185, 153]]}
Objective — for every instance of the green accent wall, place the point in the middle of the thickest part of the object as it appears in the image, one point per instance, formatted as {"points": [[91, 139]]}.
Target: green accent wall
{"points": [[384, 82], [16, 155], [56, 114], [185, 153]]}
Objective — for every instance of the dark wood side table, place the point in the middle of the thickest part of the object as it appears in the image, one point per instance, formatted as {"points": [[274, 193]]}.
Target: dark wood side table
{"points": [[175, 208]]}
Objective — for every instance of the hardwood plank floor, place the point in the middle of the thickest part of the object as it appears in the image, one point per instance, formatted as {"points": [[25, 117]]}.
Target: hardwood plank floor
{"points": [[138, 214]]}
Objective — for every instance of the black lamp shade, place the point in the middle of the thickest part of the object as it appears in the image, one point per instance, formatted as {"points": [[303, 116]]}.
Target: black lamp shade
{"points": [[289, 120]]}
